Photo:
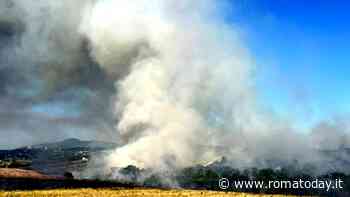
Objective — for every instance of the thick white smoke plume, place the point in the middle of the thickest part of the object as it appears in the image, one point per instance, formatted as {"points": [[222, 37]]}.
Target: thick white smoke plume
{"points": [[185, 87], [184, 82], [182, 77]]}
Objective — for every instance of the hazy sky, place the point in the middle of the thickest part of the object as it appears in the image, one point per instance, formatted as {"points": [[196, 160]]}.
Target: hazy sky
{"points": [[51, 88], [302, 52]]}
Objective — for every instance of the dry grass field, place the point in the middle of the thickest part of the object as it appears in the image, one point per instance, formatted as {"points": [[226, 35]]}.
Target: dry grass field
{"points": [[126, 193]]}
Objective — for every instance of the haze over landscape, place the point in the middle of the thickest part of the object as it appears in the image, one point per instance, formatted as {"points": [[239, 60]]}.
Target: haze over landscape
{"points": [[177, 83]]}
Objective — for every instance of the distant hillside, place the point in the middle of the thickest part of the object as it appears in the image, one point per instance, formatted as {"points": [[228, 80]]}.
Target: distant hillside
{"points": [[54, 158], [73, 143]]}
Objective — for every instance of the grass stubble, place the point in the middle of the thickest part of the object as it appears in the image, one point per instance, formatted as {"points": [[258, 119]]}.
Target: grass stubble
{"points": [[120, 192]]}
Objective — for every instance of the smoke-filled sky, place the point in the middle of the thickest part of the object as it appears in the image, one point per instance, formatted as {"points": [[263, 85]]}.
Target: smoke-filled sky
{"points": [[182, 82], [50, 87]]}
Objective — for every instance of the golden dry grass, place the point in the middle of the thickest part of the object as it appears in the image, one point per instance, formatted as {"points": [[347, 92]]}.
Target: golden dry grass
{"points": [[127, 193]]}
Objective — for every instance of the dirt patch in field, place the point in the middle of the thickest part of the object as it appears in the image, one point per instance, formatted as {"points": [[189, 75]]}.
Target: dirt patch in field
{"points": [[20, 173]]}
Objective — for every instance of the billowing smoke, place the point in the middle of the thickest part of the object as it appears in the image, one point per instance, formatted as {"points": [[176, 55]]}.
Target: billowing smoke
{"points": [[182, 77], [50, 87], [179, 79], [185, 87]]}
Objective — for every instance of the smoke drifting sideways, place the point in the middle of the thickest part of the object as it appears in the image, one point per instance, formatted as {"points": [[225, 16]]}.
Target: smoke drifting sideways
{"points": [[50, 88], [179, 79]]}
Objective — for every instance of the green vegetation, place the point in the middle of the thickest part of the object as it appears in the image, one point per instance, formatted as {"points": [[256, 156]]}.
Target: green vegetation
{"points": [[15, 163]]}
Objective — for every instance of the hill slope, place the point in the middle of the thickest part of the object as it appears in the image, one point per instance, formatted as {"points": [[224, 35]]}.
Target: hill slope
{"points": [[19, 173], [54, 158]]}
